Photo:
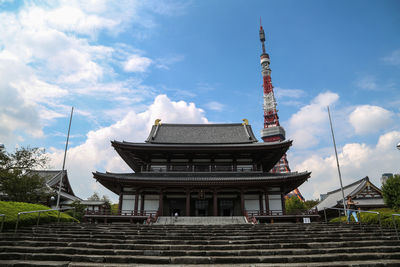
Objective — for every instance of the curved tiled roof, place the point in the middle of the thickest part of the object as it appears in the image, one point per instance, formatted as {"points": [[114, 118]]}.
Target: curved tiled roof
{"points": [[286, 180], [234, 133]]}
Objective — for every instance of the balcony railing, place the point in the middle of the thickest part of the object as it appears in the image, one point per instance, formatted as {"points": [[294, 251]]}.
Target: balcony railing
{"points": [[143, 213]]}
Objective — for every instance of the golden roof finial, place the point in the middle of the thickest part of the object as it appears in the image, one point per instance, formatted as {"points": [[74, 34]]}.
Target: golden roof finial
{"points": [[245, 122], [157, 122]]}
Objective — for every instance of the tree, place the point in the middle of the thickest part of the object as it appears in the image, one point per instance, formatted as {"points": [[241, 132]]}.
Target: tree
{"points": [[94, 197], [391, 192], [15, 180], [294, 205], [309, 204]]}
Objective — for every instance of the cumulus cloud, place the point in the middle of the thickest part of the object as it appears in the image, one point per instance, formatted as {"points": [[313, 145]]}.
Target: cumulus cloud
{"points": [[50, 54], [369, 119], [357, 160], [136, 63], [96, 151], [314, 116]]}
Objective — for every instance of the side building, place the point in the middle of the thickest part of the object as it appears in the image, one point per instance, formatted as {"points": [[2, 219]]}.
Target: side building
{"points": [[363, 192], [202, 170]]}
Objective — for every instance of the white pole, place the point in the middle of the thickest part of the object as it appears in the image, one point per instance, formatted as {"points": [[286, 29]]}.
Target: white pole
{"points": [[63, 166], [337, 162]]}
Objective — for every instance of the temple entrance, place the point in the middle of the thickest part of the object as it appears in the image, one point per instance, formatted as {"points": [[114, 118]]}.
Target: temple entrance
{"points": [[226, 207], [201, 207], [177, 205]]}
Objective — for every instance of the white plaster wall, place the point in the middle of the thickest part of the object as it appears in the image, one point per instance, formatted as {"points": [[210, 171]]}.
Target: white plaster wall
{"points": [[128, 202], [275, 202], [251, 202], [151, 202]]}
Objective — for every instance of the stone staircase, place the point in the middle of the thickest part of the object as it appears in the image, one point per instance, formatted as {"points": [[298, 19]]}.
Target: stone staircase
{"points": [[291, 244]]}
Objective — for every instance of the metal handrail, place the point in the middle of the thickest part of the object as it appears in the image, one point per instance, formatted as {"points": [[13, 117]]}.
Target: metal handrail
{"points": [[2, 222], [40, 211], [358, 211], [395, 225]]}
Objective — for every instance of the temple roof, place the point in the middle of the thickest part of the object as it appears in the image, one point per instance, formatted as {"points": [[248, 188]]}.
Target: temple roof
{"points": [[53, 178], [288, 181], [334, 197], [235, 133]]}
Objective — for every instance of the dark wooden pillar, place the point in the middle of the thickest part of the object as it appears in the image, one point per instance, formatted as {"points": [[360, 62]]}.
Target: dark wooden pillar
{"points": [[161, 203], [266, 203], [142, 203], [260, 196], [242, 201], [215, 203], [136, 203], [187, 202], [283, 203]]}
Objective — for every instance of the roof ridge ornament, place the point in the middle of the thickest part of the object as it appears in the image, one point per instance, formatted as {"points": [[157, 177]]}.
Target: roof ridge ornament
{"points": [[245, 122], [157, 122]]}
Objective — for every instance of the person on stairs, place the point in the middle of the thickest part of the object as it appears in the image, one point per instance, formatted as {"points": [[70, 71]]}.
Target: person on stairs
{"points": [[351, 209]]}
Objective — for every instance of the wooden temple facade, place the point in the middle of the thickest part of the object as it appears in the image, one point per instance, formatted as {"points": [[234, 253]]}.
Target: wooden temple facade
{"points": [[201, 170]]}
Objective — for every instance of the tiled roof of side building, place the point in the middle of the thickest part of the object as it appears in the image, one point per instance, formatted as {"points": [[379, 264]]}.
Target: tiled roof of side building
{"points": [[336, 196], [235, 133]]}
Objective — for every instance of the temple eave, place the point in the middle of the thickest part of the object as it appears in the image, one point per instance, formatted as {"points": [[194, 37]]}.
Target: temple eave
{"points": [[287, 182]]}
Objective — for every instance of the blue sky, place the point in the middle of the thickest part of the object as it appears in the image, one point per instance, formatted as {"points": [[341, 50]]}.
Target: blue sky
{"points": [[122, 64]]}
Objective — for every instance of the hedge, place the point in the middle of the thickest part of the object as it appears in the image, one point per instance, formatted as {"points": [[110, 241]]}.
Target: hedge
{"points": [[11, 209], [370, 218]]}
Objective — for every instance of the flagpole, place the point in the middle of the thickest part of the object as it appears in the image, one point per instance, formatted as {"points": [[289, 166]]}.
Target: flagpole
{"points": [[63, 166], [337, 161]]}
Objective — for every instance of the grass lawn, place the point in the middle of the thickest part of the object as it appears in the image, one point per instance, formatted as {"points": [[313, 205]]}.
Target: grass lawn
{"points": [[11, 209]]}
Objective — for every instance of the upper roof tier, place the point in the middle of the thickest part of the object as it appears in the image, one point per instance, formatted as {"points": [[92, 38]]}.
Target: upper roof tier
{"points": [[234, 133]]}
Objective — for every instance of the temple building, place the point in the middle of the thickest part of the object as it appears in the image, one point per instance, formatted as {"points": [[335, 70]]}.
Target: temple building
{"points": [[208, 169], [202, 170], [364, 193]]}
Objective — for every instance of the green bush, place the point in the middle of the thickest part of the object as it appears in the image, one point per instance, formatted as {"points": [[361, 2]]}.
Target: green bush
{"points": [[11, 209], [370, 218]]}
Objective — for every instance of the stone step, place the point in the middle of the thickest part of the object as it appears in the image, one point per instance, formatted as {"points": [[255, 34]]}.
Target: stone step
{"points": [[205, 242], [380, 263], [200, 259], [188, 252], [224, 246]]}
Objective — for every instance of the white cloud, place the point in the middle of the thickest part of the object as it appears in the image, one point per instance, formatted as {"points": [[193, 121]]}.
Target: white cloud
{"points": [[165, 62], [49, 55], [216, 106], [393, 58], [357, 160], [291, 93], [367, 83], [369, 119], [309, 123], [136, 63], [97, 154]]}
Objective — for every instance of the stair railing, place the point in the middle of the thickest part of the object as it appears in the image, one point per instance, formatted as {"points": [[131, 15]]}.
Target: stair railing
{"points": [[40, 211], [2, 222], [358, 211], [395, 225]]}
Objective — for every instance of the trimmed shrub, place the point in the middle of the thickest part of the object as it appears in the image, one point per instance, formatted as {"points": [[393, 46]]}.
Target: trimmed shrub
{"points": [[370, 218], [11, 209]]}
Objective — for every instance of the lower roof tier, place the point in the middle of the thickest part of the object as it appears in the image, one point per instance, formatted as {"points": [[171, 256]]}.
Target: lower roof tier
{"points": [[286, 181]]}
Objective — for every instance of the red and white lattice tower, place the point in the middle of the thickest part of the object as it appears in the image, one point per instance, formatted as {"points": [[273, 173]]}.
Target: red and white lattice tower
{"points": [[272, 131]]}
